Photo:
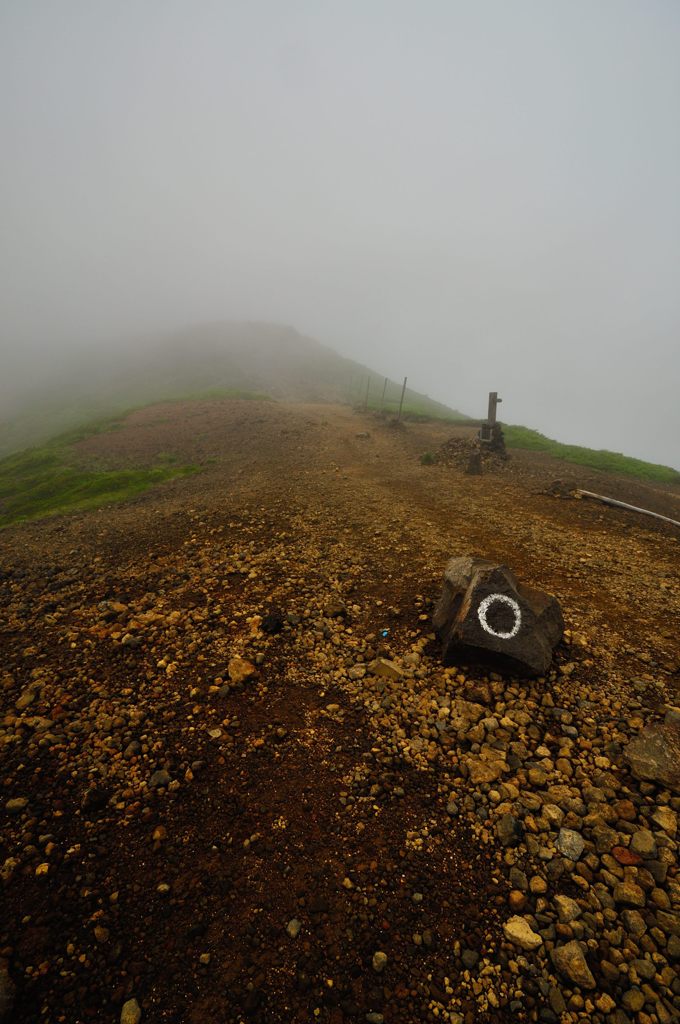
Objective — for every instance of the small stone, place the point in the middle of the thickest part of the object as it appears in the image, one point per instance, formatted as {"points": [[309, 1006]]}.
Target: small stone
{"points": [[633, 1000], [644, 844], [571, 963], [16, 805], [131, 1012], [556, 1000], [204, 958], [518, 931], [25, 700], [386, 669], [160, 778], [605, 1003], [379, 962], [517, 900], [570, 844], [293, 928], [666, 819], [634, 923], [625, 856], [240, 670], [94, 798], [630, 894], [567, 909], [509, 830]]}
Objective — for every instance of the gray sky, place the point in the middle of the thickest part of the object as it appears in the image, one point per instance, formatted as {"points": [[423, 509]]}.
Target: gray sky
{"points": [[481, 195]]}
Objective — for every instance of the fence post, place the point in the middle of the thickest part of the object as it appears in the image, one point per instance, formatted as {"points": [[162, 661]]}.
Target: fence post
{"points": [[401, 400], [368, 387], [382, 400]]}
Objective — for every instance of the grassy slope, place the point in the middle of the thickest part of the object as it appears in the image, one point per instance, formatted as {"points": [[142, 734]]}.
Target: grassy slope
{"points": [[610, 462], [42, 481]]}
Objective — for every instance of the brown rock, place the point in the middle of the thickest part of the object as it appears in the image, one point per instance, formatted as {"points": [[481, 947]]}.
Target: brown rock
{"points": [[625, 856], [240, 670]]}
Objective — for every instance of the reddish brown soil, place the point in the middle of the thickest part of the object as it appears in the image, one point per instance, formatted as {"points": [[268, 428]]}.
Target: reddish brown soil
{"points": [[322, 513]]}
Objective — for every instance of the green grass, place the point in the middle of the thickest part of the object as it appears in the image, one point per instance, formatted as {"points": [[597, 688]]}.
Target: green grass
{"points": [[610, 462], [75, 420], [415, 410], [43, 481]]}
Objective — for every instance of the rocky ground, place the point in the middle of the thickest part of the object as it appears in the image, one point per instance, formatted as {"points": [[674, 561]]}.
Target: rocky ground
{"points": [[239, 786]]}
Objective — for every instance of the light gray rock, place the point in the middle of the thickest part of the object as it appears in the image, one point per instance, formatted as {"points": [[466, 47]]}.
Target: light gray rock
{"points": [[570, 844]]}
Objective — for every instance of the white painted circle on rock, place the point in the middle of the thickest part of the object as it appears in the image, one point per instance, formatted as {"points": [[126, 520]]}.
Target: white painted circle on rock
{"points": [[484, 608]]}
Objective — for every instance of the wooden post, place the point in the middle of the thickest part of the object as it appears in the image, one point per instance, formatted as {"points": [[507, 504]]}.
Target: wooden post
{"points": [[493, 403], [486, 429], [401, 400], [368, 387], [382, 400]]}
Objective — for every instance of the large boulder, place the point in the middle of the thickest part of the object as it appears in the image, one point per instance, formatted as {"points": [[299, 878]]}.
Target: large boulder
{"points": [[484, 613]]}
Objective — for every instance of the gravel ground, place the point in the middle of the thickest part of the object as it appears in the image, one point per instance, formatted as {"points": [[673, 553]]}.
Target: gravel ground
{"points": [[239, 786]]}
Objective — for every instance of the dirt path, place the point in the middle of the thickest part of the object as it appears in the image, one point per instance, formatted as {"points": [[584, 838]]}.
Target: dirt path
{"points": [[314, 814]]}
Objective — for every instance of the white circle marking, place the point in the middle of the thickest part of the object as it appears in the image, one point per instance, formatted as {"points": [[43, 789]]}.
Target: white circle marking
{"points": [[504, 599]]}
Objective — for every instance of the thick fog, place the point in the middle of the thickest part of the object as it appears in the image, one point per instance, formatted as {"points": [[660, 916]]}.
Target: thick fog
{"points": [[482, 195]]}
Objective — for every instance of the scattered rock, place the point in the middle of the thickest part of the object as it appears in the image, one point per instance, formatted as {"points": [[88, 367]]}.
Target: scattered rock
{"points": [[16, 805], [273, 622], [386, 669], [241, 671], [518, 931], [95, 798], [379, 962], [509, 830], [567, 909], [570, 844], [131, 1012], [160, 778], [571, 963]]}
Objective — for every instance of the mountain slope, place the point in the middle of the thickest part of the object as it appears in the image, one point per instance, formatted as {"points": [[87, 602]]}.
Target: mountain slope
{"points": [[268, 359]]}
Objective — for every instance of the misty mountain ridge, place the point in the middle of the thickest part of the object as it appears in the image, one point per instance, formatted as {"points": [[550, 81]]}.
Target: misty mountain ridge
{"points": [[272, 360]]}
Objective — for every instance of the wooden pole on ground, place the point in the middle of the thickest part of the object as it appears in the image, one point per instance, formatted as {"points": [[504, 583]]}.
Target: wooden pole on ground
{"points": [[624, 504], [401, 400], [368, 387]]}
